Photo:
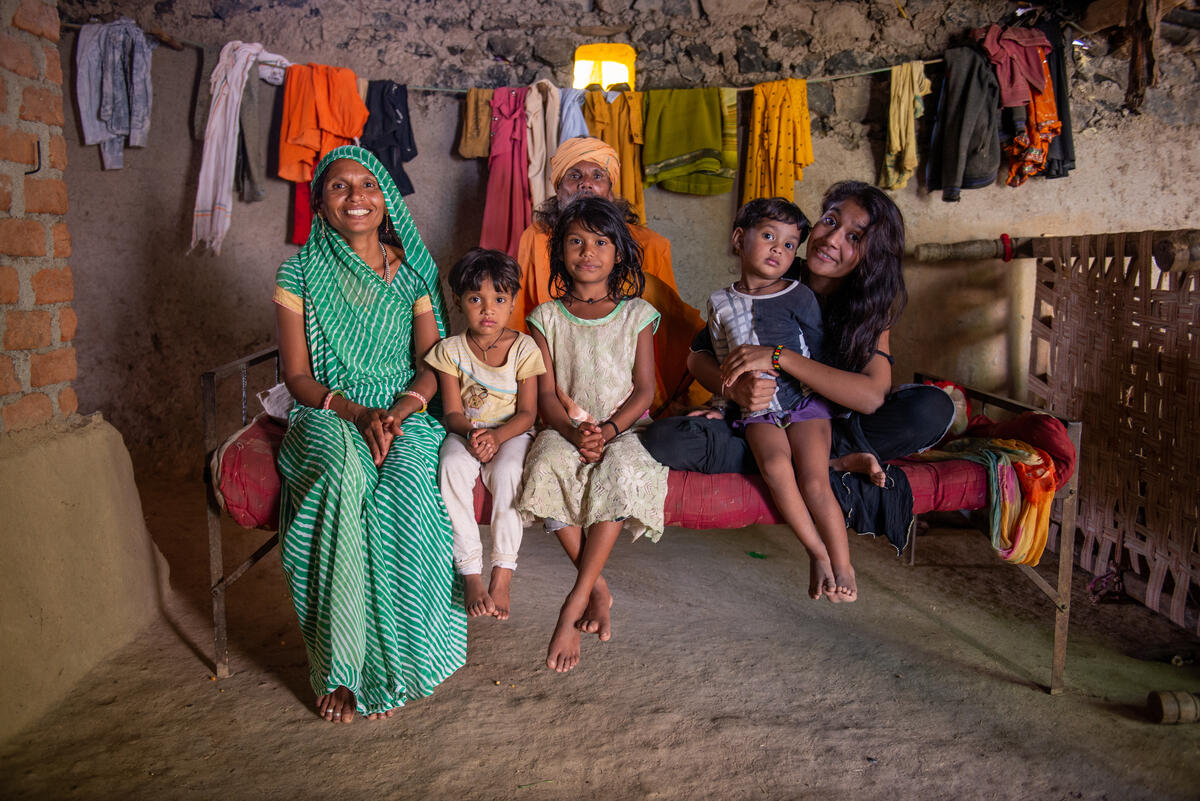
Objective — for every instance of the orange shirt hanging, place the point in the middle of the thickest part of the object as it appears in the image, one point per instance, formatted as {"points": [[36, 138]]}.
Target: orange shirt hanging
{"points": [[321, 110]]}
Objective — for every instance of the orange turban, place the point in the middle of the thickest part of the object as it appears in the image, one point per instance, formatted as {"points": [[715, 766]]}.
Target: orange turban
{"points": [[584, 148]]}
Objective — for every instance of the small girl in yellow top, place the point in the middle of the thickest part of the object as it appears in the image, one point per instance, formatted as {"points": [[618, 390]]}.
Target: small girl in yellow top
{"points": [[490, 404]]}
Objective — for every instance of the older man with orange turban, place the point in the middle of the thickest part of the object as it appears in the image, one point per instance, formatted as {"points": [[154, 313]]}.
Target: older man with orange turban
{"points": [[587, 166]]}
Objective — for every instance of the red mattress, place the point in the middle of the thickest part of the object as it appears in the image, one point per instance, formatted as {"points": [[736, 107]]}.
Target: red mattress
{"points": [[247, 483]]}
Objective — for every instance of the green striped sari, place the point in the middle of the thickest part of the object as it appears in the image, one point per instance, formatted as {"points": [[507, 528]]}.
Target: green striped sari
{"points": [[366, 550]]}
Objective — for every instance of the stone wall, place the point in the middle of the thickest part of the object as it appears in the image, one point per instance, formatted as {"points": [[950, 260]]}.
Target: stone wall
{"points": [[157, 317], [36, 286]]}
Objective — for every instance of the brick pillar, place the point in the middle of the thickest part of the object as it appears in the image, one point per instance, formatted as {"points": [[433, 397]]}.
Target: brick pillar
{"points": [[37, 323]]}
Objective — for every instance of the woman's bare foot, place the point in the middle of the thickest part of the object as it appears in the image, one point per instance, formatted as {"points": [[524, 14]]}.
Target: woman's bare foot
{"points": [[501, 579], [563, 653], [380, 715], [846, 588], [337, 706], [865, 463], [478, 602], [820, 578], [597, 618]]}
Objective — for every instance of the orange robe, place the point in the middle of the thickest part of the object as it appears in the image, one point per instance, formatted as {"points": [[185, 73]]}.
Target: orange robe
{"points": [[679, 322]]}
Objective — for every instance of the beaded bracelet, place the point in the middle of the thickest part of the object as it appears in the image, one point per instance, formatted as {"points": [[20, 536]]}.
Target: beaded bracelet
{"points": [[328, 399], [412, 393], [775, 357]]}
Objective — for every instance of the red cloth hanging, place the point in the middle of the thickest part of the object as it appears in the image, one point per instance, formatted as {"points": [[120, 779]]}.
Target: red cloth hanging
{"points": [[508, 209]]}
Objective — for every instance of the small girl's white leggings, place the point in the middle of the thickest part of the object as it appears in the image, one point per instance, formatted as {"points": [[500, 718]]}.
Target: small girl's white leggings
{"points": [[457, 472]]}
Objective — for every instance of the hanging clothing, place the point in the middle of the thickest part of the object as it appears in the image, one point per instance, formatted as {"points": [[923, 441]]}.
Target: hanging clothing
{"points": [[302, 215], [112, 85], [1029, 148], [908, 89], [214, 191], [366, 550], [322, 110], [1142, 18], [619, 124], [541, 121], [475, 140], [592, 362], [729, 132], [965, 151], [684, 141], [507, 210], [1017, 55], [388, 131], [249, 173], [779, 144], [1060, 159], [571, 120], [678, 324]]}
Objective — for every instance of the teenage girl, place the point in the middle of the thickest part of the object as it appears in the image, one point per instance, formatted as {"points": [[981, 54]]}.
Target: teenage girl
{"points": [[854, 267], [587, 473], [857, 279]]}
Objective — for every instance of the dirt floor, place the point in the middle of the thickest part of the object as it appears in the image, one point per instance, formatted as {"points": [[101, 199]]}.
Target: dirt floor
{"points": [[722, 681]]}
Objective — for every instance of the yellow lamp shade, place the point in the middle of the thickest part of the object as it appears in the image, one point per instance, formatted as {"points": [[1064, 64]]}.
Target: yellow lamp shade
{"points": [[604, 63]]}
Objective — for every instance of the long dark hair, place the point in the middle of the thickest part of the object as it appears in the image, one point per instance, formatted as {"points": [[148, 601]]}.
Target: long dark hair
{"points": [[602, 217], [869, 300]]}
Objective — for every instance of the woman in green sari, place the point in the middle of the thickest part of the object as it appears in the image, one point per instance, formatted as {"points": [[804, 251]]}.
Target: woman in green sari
{"points": [[365, 537]]}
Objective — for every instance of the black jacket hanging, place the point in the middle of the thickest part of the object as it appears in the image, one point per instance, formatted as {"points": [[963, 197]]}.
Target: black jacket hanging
{"points": [[388, 132], [965, 152]]}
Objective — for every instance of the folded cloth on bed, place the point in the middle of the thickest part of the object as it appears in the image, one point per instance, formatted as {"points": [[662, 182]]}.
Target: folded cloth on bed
{"points": [[1019, 512]]}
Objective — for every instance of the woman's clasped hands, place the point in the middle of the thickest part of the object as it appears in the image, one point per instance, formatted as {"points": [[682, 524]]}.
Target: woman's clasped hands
{"points": [[379, 428]]}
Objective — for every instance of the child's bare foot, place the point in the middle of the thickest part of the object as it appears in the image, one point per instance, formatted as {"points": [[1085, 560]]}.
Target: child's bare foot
{"points": [[597, 618], [478, 602], [379, 715], [865, 463], [820, 578], [501, 579], [337, 706], [563, 653], [846, 589]]}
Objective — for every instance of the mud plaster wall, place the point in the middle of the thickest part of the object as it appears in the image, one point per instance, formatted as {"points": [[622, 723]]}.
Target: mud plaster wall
{"points": [[152, 318], [88, 579]]}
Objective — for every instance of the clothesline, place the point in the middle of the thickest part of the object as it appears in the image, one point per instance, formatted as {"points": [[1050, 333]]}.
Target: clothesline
{"points": [[455, 91]]}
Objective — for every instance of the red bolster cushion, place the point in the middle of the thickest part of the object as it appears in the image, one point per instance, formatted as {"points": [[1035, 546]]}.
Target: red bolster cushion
{"points": [[1041, 430], [245, 478]]}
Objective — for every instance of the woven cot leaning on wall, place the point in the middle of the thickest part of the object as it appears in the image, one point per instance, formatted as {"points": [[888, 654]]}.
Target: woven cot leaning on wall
{"points": [[1116, 342]]}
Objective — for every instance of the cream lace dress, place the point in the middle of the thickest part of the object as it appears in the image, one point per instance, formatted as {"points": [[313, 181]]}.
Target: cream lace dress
{"points": [[593, 368]]}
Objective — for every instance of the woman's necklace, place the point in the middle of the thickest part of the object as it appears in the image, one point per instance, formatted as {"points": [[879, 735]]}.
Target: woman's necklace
{"points": [[762, 290], [387, 265], [478, 344]]}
